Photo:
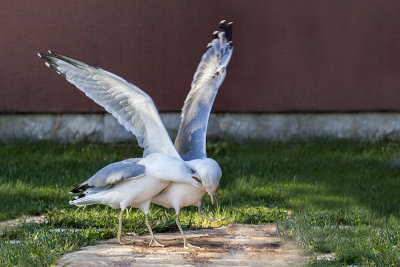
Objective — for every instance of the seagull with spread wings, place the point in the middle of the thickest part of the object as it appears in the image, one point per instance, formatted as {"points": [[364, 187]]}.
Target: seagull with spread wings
{"points": [[135, 182], [132, 182], [191, 139]]}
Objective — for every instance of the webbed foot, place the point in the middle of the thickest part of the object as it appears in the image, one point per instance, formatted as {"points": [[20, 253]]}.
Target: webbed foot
{"points": [[122, 241], [155, 243], [187, 245]]}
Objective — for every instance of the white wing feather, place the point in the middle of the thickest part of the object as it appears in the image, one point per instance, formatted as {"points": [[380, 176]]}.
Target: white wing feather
{"points": [[191, 139], [132, 107]]}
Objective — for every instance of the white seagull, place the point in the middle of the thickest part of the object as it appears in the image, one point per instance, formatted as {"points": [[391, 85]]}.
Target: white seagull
{"points": [[132, 182], [191, 139]]}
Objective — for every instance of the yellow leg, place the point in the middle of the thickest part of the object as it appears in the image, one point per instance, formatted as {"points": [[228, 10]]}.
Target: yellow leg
{"points": [[186, 244], [119, 228], [153, 241]]}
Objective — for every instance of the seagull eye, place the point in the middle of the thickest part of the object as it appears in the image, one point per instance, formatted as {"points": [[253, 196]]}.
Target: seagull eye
{"points": [[192, 171]]}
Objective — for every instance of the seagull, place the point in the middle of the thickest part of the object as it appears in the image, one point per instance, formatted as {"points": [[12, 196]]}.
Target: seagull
{"points": [[131, 182], [191, 139]]}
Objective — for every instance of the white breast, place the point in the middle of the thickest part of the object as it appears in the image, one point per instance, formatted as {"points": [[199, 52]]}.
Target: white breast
{"points": [[178, 195], [132, 192]]}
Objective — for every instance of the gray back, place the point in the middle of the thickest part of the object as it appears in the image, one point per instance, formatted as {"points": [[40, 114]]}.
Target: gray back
{"points": [[117, 172]]}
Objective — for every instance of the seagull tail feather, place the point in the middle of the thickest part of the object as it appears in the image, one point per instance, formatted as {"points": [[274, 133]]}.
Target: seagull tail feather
{"points": [[81, 203], [82, 200]]}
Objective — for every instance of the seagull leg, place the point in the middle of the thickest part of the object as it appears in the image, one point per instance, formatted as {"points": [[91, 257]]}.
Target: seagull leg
{"points": [[153, 242], [186, 244], [122, 242], [207, 218], [190, 221]]}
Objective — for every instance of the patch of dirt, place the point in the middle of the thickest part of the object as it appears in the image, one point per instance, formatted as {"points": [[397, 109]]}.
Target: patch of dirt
{"points": [[14, 222], [233, 245]]}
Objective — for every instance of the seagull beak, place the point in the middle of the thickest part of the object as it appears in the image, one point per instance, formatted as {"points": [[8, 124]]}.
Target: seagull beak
{"points": [[199, 182], [212, 196]]}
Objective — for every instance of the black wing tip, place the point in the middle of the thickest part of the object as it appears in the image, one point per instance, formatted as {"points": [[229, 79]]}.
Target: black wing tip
{"points": [[222, 26], [49, 60], [44, 56], [226, 28], [80, 188], [51, 54], [75, 190], [52, 57], [77, 197], [215, 34], [228, 32]]}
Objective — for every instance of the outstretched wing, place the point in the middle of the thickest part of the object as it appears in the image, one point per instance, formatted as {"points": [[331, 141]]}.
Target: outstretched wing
{"points": [[112, 174], [191, 139], [132, 107]]}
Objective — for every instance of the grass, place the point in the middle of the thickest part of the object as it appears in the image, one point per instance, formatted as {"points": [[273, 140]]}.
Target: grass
{"points": [[343, 198]]}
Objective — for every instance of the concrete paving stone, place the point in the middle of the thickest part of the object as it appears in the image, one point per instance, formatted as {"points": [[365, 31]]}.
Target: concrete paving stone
{"points": [[234, 245], [89, 127], [269, 127]]}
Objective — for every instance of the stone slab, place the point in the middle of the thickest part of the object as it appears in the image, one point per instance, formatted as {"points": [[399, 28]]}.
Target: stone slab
{"points": [[268, 127], [234, 245]]}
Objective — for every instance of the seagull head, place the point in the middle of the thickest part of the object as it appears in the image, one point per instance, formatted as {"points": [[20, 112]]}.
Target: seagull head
{"points": [[210, 174], [195, 176], [186, 173]]}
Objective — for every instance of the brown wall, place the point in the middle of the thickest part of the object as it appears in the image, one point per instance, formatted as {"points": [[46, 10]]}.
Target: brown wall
{"points": [[338, 55]]}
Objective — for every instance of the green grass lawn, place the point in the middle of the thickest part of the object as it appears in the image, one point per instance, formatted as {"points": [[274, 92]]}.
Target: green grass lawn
{"points": [[332, 197]]}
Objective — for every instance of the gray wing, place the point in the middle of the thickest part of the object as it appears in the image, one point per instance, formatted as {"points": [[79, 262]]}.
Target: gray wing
{"points": [[113, 174], [191, 139], [132, 107]]}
